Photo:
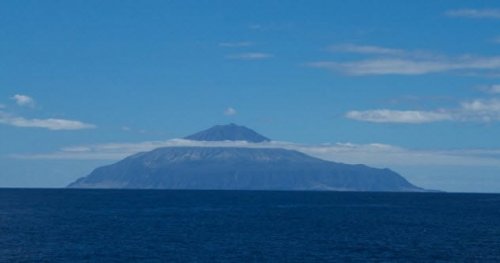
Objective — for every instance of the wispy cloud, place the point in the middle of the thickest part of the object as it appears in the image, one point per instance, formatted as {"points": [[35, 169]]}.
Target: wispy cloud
{"points": [[365, 49], [474, 13], [250, 56], [398, 116], [255, 27], [491, 89], [51, 123], [2, 106], [375, 154], [271, 26], [478, 110], [230, 111], [23, 100], [410, 66], [236, 44], [391, 61]]}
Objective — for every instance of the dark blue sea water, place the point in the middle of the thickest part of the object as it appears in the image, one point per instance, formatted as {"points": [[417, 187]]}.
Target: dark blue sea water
{"points": [[246, 226]]}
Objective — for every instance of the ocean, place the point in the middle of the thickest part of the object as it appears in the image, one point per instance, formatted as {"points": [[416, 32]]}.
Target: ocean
{"points": [[69, 225]]}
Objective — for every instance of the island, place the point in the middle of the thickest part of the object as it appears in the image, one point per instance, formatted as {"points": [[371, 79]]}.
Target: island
{"points": [[239, 168]]}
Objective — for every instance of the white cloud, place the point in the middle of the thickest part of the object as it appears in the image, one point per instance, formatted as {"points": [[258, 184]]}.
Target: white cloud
{"points": [[230, 111], [492, 89], [250, 56], [365, 49], [255, 27], [398, 116], [481, 105], [271, 26], [478, 110], [23, 100], [475, 13], [383, 155], [390, 61], [410, 66], [375, 154], [51, 124], [236, 44]]}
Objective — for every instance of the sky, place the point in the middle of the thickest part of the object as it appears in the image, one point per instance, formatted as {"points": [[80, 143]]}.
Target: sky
{"points": [[409, 85]]}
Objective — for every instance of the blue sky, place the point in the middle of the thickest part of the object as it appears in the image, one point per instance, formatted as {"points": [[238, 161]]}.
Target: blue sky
{"points": [[414, 86]]}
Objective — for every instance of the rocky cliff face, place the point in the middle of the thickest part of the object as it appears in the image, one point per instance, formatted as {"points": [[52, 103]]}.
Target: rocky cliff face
{"points": [[232, 168]]}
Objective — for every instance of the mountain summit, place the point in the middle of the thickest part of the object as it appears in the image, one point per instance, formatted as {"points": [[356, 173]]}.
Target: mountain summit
{"points": [[238, 168], [230, 132]]}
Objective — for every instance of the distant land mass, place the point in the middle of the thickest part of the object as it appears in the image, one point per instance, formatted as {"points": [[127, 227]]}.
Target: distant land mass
{"points": [[231, 132], [238, 168]]}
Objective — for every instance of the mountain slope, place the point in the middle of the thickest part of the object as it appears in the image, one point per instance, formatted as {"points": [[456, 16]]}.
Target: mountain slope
{"points": [[239, 168], [230, 132]]}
